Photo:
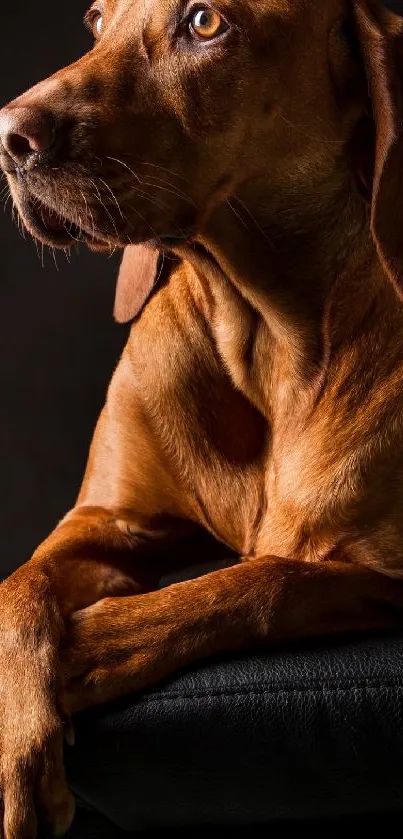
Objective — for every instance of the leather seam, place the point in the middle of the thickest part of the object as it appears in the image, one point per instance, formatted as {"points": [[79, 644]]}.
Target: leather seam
{"points": [[271, 691]]}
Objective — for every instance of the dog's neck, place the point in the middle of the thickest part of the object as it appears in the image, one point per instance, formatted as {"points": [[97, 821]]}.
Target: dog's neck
{"points": [[312, 279], [286, 258]]}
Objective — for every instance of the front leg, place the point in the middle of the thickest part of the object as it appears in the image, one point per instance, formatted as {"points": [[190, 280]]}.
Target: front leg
{"points": [[91, 555], [128, 528], [122, 645]]}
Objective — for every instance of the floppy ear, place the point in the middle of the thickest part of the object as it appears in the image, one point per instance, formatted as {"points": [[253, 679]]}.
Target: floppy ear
{"points": [[137, 275], [380, 34]]}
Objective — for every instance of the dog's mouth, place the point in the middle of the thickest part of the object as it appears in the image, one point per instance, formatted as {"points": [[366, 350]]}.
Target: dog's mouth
{"points": [[54, 229], [58, 231], [98, 227]]}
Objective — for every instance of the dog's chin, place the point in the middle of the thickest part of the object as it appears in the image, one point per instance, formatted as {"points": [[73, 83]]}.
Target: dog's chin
{"points": [[57, 231]]}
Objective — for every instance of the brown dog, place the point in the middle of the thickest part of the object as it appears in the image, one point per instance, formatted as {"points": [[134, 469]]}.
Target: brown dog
{"points": [[233, 149]]}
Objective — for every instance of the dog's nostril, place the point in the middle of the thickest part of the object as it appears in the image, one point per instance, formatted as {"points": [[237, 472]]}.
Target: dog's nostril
{"points": [[19, 146], [25, 133]]}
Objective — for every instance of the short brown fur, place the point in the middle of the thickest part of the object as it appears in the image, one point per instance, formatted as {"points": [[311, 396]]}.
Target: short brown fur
{"points": [[259, 397]]}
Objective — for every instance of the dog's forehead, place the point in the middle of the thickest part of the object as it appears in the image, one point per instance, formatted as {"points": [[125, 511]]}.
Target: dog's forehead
{"points": [[257, 19], [143, 10]]}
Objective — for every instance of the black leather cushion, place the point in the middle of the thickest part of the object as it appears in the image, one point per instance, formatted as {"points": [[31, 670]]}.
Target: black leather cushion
{"points": [[303, 734]]}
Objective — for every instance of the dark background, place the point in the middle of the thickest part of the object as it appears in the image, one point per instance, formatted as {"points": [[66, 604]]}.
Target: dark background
{"points": [[58, 341]]}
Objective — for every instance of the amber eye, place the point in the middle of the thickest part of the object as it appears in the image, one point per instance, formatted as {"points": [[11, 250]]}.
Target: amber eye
{"points": [[94, 21], [207, 23], [97, 25]]}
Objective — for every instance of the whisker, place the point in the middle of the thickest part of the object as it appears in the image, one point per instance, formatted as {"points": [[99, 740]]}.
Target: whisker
{"points": [[166, 185], [237, 215], [54, 259], [255, 222], [309, 136], [17, 221], [112, 194], [138, 214], [162, 169], [89, 213], [36, 243], [103, 205], [116, 160], [159, 206], [161, 269], [165, 188]]}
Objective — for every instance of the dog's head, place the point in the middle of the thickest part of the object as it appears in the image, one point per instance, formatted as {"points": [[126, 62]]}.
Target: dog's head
{"points": [[182, 103]]}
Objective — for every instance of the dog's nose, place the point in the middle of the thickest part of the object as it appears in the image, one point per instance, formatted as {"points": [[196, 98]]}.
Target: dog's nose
{"points": [[25, 133]]}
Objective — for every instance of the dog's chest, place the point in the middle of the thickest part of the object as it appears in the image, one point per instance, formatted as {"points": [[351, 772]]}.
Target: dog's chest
{"points": [[208, 392], [214, 398]]}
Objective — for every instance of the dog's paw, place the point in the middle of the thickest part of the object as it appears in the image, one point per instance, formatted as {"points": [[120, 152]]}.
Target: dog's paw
{"points": [[116, 646], [33, 785], [91, 649], [33, 788]]}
